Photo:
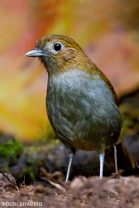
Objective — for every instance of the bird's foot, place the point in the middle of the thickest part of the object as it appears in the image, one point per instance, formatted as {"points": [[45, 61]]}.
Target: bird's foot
{"points": [[116, 175]]}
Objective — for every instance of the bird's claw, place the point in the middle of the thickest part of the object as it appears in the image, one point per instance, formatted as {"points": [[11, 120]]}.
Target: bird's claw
{"points": [[116, 175]]}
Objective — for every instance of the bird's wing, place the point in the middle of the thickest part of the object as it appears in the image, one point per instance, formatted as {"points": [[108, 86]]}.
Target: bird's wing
{"points": [[96, 70]]}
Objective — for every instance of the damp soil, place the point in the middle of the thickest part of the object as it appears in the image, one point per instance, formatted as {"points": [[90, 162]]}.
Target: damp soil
{"points": [[80, 192]]}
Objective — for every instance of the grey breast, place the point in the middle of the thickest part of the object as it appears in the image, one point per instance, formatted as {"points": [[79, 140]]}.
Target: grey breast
{"points": [[82, 110]]}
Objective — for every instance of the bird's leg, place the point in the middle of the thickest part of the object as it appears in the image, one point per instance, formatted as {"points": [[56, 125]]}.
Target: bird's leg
{"points": [[101, 160], [115, 159], [71, 155], [115, 162]]}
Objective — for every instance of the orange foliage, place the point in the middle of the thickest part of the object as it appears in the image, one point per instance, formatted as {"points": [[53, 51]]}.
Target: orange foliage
{"points": [[94, 24]]}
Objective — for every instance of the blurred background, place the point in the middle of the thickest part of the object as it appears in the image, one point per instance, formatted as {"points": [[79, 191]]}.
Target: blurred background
{"points": [[108, 30]]}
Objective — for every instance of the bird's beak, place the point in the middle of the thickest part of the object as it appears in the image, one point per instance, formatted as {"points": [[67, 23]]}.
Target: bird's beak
{"points": [[35, 53]]}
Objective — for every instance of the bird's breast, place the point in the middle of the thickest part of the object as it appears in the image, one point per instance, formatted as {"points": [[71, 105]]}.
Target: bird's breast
{"points": [[81, 109]]}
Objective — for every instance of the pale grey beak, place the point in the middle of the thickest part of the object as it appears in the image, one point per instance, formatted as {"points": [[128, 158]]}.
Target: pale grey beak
{"points": [[35, 53]]}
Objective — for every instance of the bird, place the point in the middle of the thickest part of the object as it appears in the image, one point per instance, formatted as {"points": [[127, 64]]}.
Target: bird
{"points": [[81, 103]]}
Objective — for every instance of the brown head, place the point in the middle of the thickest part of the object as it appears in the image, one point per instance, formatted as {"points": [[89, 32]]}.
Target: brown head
{"points": [[59, 53]]}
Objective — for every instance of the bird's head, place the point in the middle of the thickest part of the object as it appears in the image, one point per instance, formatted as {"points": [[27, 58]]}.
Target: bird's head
{"points": [[58, 53]]}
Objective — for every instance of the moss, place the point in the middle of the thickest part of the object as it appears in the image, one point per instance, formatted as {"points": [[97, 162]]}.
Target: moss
{"points": [[10, 149], [35, 157], [30, 173], [130, 121]]}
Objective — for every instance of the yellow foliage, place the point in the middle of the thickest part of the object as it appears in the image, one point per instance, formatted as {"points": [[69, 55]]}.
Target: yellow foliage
{"points": [[22, 102], [23, 81]]}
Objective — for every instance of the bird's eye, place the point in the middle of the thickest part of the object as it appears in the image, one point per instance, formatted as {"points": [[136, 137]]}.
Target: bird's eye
{"points": [[57, 46]]}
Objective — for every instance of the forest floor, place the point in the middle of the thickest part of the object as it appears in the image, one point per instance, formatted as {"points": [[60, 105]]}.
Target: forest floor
{"points": [[80, 192]]}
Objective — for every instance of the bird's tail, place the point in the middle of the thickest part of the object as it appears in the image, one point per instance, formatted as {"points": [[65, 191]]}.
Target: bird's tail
{"points": [[124, 158]]}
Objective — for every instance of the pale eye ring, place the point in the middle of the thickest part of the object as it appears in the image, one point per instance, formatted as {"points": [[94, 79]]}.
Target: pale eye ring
{"points": [[57, 46]]}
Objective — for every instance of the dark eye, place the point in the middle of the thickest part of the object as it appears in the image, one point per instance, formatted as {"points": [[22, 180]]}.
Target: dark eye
{"points": [[57, 46]]}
